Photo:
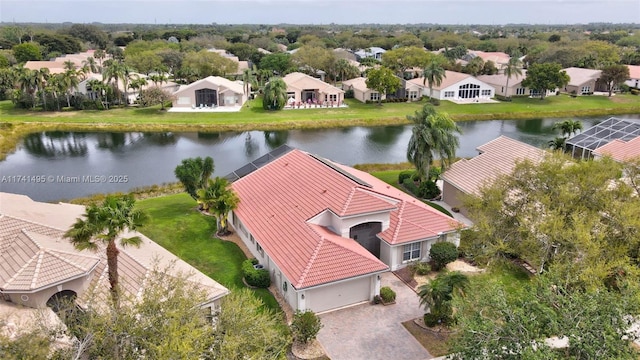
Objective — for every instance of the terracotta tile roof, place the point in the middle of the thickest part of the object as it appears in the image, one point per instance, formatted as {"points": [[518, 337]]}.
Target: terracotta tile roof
{"points": [[620, 150], [358, 83], [634, 71], [34, 255], [450, 78], [579, 76], [497, 157], [216, 81], [278, 201], [495, 56], [300, 81], [501, 79]]}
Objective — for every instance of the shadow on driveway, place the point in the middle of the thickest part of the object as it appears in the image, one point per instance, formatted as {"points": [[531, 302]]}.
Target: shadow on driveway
{"points": [[370, 332]]}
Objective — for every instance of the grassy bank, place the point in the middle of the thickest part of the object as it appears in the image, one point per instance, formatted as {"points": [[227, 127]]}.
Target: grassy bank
{"points": [[16, 123], [178, 227]]}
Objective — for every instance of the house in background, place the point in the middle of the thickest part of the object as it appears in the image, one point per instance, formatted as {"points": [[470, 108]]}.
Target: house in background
{"points": [[498, 58], [84, 86], [360, 90], [584, 81], [584, 144], [304, 89], [634, 76], [457, 86], [242, 65], [371, 52], [619, 150], [211, 92], [499, 83], [497, 157], [38, 265], [326, 231]]}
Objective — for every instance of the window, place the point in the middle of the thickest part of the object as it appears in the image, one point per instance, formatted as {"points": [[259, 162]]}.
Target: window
{"points": [[252, 239], [374, 96], [259, 248], [468, 91], [413, 94], [486, 92], [411, 252], [449, 94], [533, 92], [520, 91], [333, 97], [586, 89]]}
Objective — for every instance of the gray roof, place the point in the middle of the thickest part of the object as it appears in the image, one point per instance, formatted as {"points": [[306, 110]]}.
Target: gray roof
{"points": [[605, 132]]}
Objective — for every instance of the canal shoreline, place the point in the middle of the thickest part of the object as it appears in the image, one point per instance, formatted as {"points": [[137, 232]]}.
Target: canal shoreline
{"points": [[12, 132]]}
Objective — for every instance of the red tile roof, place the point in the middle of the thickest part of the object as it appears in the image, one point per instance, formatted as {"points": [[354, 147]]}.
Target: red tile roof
{"points": [[620, 150], [278, 200], [498, 157]]}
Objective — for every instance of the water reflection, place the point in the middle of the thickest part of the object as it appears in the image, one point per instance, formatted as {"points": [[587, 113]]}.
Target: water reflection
{"points": [[52, 144], [385, 135], [536, 126], [274, 139]]}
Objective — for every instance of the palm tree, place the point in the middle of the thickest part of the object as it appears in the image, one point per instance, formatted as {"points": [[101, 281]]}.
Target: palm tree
{"points": [[119, 71], [100, 89], [557, 143], [100, 55], [275, 94], [102, 225], [568, 127], [436, 295], [511, 68], [69, 65], [433, 134], [248, 78], [70, 82], [218, 198], [91, 65], [42, 76], [433, 73]]}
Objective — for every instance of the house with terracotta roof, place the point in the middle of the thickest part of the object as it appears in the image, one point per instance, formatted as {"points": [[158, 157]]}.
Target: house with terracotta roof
{"points": [[496, 158], [634, 76], [584, 81], [497, 57], [302, 88], [326, 231], [515, 87], [619, 150], [38, 265], [84, 87], [457, 86], [210, 92], [361, 92]]}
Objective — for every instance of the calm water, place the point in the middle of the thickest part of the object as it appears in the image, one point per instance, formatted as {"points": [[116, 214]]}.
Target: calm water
{"points": [[62, 165]]}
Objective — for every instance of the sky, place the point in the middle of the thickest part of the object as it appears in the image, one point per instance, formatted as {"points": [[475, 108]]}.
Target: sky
{"points": [[495, 12]]}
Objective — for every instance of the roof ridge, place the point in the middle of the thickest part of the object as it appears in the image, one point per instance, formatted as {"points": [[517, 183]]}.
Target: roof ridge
{"points": [[56, 254], [33, 222], [313, 257], [347, 202], [400, 220], [36, 271], [17, 273]]}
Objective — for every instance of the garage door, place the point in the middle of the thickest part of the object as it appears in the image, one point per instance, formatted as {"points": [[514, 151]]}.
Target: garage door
{"points": [[338, 295]]}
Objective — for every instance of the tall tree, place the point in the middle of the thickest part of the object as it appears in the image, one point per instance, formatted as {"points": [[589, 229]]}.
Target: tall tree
{"points": [[313, 58], [403, 58], [69, 81], [512, 68], [248, 78], [275, 94], [103, 224], [545, 77], [90, 65], [577, 219], [433, 134], [433, 74], [382, 80], [194, 174], [614, 75]]}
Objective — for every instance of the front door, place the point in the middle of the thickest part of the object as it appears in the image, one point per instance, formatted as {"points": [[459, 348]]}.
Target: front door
{"points": [[365, 235]]}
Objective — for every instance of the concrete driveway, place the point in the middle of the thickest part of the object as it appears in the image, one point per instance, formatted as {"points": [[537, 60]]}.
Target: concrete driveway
{"points": [[370, 332]]}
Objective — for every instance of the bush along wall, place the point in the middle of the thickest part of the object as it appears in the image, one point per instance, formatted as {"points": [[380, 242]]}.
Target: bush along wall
{"points": [[255, 277]]}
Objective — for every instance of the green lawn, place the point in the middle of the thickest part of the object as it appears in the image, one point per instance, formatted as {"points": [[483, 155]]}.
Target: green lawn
{"points": [[391, 178], [177, 226]]}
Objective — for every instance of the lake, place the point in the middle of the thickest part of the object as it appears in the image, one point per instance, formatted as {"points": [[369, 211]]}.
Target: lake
{"points": [[51, 166]]}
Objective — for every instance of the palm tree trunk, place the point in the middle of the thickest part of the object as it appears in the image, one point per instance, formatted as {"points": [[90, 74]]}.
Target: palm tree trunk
{"points": [[112, 267]]}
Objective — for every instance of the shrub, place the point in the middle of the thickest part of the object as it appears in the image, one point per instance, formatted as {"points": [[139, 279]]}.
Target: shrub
{"points": [[348, 94], [420, 268], [305, 326], [404, 175], [635, 92], [430, 319], [255, 277], [387, 294], [434, 101], [410, 186], [428, 190], [502, 98], [442, 253]]}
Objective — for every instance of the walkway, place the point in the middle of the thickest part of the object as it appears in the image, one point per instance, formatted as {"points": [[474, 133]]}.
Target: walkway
{"points": [[370, 332]]}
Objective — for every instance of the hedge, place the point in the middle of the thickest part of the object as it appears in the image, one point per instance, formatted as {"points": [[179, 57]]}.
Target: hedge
{"points": [[255, 277], [387, 294]]}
